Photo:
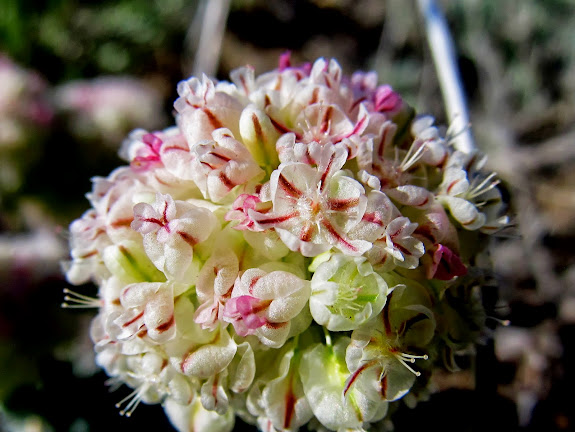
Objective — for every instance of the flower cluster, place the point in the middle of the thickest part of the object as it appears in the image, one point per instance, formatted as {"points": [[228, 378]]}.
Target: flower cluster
{"points": [[25, 114], [23, 102], [105, 108], [299, 249]]}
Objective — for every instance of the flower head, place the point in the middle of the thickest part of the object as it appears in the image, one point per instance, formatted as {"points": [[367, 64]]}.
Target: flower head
{"points": [[295, 250]]}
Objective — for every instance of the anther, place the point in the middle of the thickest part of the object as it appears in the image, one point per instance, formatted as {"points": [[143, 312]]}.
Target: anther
{"points": [[484, 186], [405, 358], [134, 400], [80, 301], [503, 322]]}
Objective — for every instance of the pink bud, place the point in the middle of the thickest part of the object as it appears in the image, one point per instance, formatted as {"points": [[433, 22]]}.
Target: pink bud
{"points": [[446, 264], [386, 100], [284, 61], [244, 311]]}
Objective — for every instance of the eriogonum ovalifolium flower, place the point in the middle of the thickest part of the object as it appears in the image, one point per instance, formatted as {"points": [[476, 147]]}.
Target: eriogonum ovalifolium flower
{"points": [[299, 249], [26, 114], [104, 108]]}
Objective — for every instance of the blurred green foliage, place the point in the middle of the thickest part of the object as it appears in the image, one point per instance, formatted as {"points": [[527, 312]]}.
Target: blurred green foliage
{"points": [[68, 39]]}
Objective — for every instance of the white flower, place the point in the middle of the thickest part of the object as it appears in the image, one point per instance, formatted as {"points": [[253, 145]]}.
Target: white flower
{"points": [[346, 293], [193, 416], [170, 230], [469, 194], [221, 164], [202, 109], [376, 355], [314, 208], [88, 239], [148, 310], [196, 352], [264, 303], [323, 373], [400, 243], [277, 399], [214, 287], [427, 135]]}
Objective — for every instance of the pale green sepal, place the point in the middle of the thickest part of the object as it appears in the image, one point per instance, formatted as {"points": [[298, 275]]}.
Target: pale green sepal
{"points": [[128, 261]]}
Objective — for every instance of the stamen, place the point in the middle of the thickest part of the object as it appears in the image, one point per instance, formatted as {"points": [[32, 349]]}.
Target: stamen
{"points": [[346, 296], [404, 358], [484, 186], [412, 357], [80, 301], [341, 309], [503, 322], [411, 157], [114, 383], [348, 293], [135, 398], [452, 133], [382, 374]]}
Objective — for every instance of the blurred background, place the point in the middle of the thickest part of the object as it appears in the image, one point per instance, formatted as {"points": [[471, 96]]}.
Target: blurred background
{"points": [[77, 77]]}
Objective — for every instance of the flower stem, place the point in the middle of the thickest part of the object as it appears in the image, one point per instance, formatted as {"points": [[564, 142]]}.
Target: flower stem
{"points": [[212, 17], [443, 53]]}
